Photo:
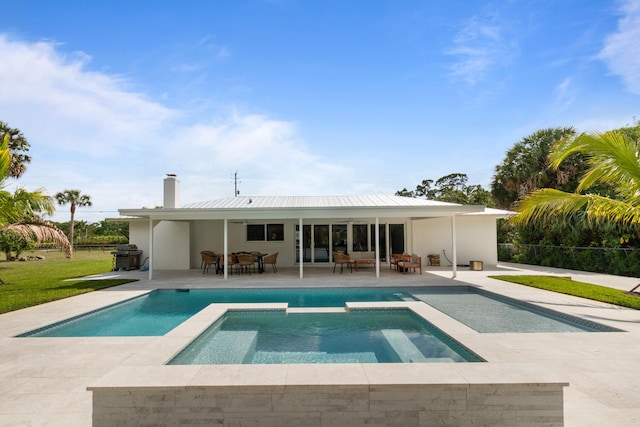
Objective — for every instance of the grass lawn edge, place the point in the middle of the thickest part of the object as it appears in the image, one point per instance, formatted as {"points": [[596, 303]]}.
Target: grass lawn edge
{"points": [[566, 285]]}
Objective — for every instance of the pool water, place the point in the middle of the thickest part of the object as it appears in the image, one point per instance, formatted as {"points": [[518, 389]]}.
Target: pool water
{"points": [[160, 311], [360, 336], [487, 312]]}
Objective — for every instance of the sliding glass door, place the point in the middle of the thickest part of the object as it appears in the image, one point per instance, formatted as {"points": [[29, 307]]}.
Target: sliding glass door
{"points": [[319, 241]]}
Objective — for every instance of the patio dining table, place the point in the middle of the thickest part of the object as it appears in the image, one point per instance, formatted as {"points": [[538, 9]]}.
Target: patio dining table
{"points": [[257, 256]]}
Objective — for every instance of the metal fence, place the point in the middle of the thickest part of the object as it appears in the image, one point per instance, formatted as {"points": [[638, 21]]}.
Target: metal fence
{"points": [[620, 261]]}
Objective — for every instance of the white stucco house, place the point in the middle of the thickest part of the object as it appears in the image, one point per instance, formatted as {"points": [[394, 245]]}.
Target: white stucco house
{"points": [[173, 236]]}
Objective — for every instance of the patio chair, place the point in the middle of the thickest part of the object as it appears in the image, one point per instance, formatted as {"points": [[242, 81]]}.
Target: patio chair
{"points": [[342, 259], [202, 254], [410, 262], [231, 260], [208, 259], [245, 261], [271, 259], [393, 262]]}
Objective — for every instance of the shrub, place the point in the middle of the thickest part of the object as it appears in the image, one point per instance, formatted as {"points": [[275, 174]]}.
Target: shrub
{"points": [[10, 241]]}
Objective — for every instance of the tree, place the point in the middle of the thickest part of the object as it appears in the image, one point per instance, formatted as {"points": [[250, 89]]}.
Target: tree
{"points": [[18, 147], [108, 228], [10, 241], [21, 226], [526, 168], [22, 236], [22, 205], [451, 188], [614, 160], [74, 199]]}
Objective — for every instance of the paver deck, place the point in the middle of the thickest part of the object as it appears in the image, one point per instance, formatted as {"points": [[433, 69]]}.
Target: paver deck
{"points": [[43, 380]]}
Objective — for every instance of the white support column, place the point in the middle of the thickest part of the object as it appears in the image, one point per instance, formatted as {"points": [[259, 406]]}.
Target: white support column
{"points": [[377, 237], [225, 250], [150, 249], [387, 242], [301, 248], [453, 245]]}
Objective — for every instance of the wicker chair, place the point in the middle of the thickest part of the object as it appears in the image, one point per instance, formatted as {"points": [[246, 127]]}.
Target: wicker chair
{"points": [[208, 259], [271, 259], [342, 259], [245, 261], [206, 253], [231, 260]]}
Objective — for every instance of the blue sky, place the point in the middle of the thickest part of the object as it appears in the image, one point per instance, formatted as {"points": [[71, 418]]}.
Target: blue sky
{"points": [[301, 97]]}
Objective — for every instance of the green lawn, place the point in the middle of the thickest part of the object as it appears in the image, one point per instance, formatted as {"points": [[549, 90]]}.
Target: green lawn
{"points": [[31, 283], [565, 285]]}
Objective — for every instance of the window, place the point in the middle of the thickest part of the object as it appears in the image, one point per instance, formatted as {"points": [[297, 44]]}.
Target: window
{"points": [[360, 238], [262, 232], [275, 232], [255, 232]]}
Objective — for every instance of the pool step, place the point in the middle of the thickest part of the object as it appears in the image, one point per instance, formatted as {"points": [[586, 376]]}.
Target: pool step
{"points": [[228, 347], [404, 348], [312, 357]]}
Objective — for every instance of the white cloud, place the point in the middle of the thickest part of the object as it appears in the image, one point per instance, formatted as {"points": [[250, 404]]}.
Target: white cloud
{"points": [[59, 100], [564, 93], [88, 130], [478, 46], [621, 51], [269, 155]]}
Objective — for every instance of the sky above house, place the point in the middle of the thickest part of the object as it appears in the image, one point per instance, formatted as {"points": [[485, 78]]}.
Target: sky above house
{"points": [[332, 97]]}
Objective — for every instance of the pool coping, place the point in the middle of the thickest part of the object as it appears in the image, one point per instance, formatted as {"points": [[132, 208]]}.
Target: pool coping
{"points": [[150, 378], [44, 379]]}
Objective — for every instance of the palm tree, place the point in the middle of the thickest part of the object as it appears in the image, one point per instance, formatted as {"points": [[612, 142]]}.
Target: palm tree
{"points": [[18, 147], [614, 160], [525, 167], [18, 211], [22, 205], [75, 199]]}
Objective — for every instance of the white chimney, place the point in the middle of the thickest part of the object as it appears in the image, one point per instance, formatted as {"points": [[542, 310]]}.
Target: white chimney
{"points": [[171, 192]]}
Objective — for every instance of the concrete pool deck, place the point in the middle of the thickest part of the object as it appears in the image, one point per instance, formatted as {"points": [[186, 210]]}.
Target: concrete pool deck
{"points": [[43, 381]]}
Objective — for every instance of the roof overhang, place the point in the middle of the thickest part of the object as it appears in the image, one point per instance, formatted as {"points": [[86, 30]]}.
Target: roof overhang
{"points": [[359, 212]]}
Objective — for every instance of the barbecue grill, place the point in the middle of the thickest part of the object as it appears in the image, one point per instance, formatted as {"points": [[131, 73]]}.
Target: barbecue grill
{"points": [[126, 257]]}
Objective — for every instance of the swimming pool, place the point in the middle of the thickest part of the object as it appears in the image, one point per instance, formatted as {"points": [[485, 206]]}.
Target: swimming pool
{"points": [[357, 336], [158, 312]]}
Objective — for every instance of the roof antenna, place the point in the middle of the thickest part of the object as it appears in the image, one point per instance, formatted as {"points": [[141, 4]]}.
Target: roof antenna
{"points": [[236, 192]]}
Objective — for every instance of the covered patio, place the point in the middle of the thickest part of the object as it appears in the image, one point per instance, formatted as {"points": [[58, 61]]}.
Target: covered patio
{"points": [[306, 230]]}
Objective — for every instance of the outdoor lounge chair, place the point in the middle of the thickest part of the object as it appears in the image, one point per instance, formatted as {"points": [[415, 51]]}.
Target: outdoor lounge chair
{"points": [[342, 259], [271, 259]]}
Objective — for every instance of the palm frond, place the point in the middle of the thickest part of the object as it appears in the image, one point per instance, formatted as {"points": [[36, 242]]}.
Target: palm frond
{"points": [[5, 159], [21, 204], [40, 231], [549, 203], [613, 158]]}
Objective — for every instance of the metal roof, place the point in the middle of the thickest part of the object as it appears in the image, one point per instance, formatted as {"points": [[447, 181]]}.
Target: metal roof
{"points": [[307, 207], [283, 202]]}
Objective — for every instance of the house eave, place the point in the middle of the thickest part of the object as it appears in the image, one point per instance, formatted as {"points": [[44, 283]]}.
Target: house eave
{"points": [[301, 212]]}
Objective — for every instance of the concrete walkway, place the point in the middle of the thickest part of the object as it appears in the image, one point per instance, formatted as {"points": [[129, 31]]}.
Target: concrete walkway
{"points": [[43, 380]]}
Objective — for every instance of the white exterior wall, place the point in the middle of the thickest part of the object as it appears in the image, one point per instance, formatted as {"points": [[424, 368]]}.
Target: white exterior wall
{"points": [[476, 238], [209, 236], [171, 245], [177, 244], [139, 236]]}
